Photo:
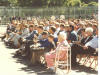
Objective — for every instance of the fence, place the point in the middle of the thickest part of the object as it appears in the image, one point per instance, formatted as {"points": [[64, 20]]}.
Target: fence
{"points": [[72, 12]]}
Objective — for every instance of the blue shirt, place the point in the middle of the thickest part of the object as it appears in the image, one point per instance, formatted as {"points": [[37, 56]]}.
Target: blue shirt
{"points": [[31, 36], [73, 36], [93, 43]]}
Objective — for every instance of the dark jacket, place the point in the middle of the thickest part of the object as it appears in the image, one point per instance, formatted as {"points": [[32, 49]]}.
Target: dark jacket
{"points": [[85, 40]]}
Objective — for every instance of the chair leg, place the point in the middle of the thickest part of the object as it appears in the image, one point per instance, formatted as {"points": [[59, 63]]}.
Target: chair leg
{"points": [[92, 63], [86, 60], [80, 58], [96, 62]]}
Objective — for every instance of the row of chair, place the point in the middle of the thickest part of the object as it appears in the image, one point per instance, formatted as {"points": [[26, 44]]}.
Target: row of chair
{"points": [[89, 60]]}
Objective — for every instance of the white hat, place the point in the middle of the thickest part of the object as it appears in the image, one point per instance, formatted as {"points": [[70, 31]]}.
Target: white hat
{"points": [[53, 18], [62, 17]]}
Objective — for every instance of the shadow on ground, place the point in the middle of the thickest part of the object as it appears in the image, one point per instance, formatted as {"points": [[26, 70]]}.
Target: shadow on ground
{"points": [[29, 68], [41, 70], [82, 68]]}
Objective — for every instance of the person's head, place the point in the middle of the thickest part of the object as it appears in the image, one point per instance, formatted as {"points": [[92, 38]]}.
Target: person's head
{"points": [[50, 38], [71, 28], [46, 23], [45, 35], [94, 26], [57, 25], [62, 27], [24, 26], [62, 37], [82, 31], [89, 31], [40, 29], [31, 28], [52, 30], [67, 28], [35, 27]]}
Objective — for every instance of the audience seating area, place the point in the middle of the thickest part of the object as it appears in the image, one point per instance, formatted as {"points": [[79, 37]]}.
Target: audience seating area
{"points": [[54, 42]]}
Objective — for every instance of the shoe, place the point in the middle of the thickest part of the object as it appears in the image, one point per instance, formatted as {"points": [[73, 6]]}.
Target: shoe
{"points": [[75, 64], [51, 70]]}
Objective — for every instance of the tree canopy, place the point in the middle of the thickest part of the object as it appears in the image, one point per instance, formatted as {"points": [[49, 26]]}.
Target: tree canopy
{"points": [[48, 3]]}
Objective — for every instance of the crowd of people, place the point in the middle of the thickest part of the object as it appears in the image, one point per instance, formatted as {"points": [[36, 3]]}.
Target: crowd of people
{"points": [[81, 35]]}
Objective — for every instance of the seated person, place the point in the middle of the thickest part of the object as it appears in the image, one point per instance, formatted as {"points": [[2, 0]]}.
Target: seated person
{"points": [[31, 33], [22, 31], [40, 31], [50, 57], [44, 39], [28, 40], [88, 46], [72, 35], [52, 43], [10, 28], [52, 31], [31, 37]]}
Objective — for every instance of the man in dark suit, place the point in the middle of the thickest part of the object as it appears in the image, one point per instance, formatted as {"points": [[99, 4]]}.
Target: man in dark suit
{"points": [[78, 48]]}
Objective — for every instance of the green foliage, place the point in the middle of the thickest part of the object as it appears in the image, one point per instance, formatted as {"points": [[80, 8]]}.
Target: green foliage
{"points": [[73, 3], [84, 4], [93, 4], [88, 1], [4, 3], [49, 3], [13, 2]]}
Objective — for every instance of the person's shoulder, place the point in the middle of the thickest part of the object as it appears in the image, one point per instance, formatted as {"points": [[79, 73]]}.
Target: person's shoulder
{"points": [[65, 43], [95, 37]]}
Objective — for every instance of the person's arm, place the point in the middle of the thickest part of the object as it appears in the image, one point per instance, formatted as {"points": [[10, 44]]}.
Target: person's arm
{"points": [[25, 32], [31, 36]]}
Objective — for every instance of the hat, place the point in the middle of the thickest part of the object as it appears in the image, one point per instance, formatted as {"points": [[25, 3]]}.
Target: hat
{"points": [[53, 18], [45, 33], [62, 17], [56, 23]]}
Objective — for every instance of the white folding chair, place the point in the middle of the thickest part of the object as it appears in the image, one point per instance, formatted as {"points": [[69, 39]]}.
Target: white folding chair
{"points": [[65, 62]]}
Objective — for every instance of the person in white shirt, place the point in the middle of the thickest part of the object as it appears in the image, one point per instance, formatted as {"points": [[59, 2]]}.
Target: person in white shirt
{"points": [[89, 47], [57, 25], [93, 43], [52, 30]]}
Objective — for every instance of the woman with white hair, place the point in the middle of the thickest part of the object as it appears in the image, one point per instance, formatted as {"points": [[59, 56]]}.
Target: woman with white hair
{"points": [[79, 48], [62, 45]]}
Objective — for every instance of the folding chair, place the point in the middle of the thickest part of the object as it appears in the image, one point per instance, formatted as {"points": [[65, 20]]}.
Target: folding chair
{"points": [[82, 58], [65, 62], [94, 60]]}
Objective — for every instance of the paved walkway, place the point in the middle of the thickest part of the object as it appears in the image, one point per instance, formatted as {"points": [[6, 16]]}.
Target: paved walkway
{"points": [[10, 65]]}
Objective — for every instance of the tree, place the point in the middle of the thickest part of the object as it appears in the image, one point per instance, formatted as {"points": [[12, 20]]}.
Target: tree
{"points": [[93, 4], [73, 3], [48, 3], [13, 2], [88, 1], [4, 3]]}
